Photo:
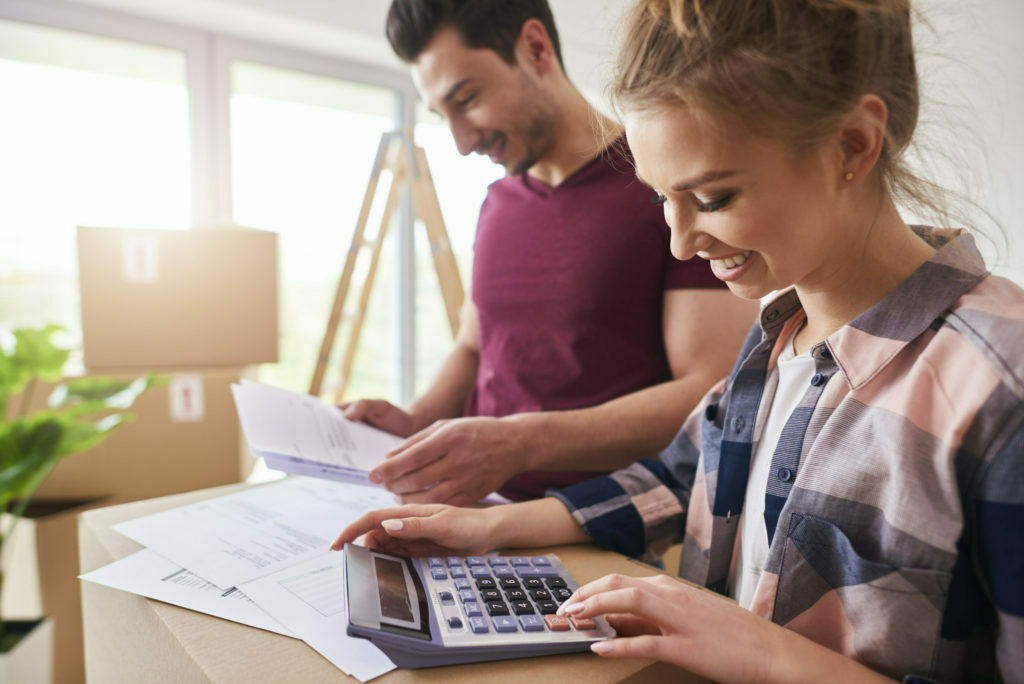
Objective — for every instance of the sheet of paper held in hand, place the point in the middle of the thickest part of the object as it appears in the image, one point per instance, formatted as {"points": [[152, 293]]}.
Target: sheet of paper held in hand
{"points": [[303, 435], [239, 537], [309, 599], [151, 575]]}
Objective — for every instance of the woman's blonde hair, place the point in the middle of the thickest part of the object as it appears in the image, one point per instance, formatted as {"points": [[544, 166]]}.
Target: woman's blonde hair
{"points": [[790, 69]]}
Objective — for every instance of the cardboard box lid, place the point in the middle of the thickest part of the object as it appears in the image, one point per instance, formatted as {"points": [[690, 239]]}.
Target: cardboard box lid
{"points": [[158, 635], [178, 298]]}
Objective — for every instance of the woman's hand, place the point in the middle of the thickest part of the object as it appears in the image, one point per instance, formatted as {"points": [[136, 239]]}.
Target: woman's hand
{"points": [[662, 618], [423, 530]]}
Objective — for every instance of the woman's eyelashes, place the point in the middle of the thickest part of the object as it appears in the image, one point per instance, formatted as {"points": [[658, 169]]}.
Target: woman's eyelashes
{"points": [[716, 204], [659, 199]]}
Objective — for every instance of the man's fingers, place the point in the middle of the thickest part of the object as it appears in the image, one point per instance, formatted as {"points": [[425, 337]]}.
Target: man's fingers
{"points": [[416, 456], [439, 493], [428, 476], [413, 440]]}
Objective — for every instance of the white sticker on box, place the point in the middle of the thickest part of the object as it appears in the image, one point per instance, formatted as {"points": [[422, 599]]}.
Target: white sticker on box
{"points": [[186, 398], [140, 259]]}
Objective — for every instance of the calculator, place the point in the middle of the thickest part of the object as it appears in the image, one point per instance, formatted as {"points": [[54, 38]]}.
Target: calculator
{"points": [[425, 612]]}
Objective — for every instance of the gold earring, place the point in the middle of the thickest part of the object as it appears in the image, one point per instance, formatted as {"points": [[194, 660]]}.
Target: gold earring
{"points": [[848, 176]]}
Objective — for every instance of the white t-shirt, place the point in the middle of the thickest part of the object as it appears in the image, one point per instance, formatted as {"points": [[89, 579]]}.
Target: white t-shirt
{"points": [[795, 373]]}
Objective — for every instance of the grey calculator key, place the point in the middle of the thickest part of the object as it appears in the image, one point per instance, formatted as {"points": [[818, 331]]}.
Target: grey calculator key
{"points": [[472, 608], [527, 571], [504, 623], [540, 560], [463, 583], [497, 560], [519, 560], [480, 571], [478, 625], [446, 597], [532, 623], [475, 560], [503, 571], [543, 571], [467, 595], [456, 623], [454, 560], [435, 562], [457, 571], [438, 573]]}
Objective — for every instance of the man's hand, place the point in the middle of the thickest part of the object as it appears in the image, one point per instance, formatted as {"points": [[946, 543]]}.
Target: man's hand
{"points": [[457, 461], [380, 414]]}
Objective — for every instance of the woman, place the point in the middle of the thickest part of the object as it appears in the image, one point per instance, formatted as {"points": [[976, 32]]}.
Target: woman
{"points": [[856, 483]]}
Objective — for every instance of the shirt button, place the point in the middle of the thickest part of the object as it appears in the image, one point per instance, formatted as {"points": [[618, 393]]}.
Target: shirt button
{"points": [[771, 315], [739, 423], [710, 412], [826, 354], [818, 379], [784, 474]]}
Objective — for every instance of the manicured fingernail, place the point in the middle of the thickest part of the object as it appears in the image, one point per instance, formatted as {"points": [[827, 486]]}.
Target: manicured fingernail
{"points": [[601, 646], [391, 524], [574, 608]]}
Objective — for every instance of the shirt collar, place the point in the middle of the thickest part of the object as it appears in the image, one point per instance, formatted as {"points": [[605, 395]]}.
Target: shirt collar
{"points": [[867, 344]]}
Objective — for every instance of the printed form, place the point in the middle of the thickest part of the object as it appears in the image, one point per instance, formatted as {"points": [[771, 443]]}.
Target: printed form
{"points": [[240, 537]]}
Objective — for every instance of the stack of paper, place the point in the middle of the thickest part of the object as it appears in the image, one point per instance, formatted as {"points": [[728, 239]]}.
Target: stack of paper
{"points": [[300, 434], [259, 557]]}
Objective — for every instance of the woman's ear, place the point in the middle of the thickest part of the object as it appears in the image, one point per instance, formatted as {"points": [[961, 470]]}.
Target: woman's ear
{"points": [[862, 137], [534, 49]]}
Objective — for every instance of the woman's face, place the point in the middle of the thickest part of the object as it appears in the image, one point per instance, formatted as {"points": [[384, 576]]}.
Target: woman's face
{"points": [[765, 216]]}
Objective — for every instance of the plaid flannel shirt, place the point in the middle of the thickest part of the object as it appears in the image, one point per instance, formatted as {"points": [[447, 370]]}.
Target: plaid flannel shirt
{"points": [[895, 505]]}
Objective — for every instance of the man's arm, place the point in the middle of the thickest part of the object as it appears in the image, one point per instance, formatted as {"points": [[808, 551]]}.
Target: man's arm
{"points": [[704, 330]]}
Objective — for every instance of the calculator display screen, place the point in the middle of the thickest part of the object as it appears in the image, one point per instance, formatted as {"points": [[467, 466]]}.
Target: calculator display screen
{"points": [[392, 591]]}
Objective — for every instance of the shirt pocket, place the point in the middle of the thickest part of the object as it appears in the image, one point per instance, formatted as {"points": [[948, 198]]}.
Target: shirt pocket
{"points": [[886, 616]]}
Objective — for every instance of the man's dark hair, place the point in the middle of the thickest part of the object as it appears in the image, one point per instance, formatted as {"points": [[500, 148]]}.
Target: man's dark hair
{"points": [[491, 24]]}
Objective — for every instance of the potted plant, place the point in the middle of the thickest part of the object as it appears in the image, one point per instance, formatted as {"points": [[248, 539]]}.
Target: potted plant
{"points": [[79, 415]]}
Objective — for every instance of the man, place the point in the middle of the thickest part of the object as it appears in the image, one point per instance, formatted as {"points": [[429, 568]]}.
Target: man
{"points": [[584, 344]]}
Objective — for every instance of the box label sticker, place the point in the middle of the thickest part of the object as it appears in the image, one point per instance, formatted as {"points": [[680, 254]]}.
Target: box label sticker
{"points": [[186, 398], [140, 259]]}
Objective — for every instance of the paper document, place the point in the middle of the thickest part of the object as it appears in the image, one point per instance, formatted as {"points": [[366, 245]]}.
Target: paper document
{"points": [[300, 434], [239, 537], [148, 574], [309, 599]]}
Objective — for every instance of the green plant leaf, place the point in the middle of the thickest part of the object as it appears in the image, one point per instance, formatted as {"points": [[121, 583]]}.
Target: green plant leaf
{"points": [[28, 451], [35, 351]]}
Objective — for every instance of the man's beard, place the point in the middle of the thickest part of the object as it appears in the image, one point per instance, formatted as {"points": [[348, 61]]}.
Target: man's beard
{"points": [[536, 134]]}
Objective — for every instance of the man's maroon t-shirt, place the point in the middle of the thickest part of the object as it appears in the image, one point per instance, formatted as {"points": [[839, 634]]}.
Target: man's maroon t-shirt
{"points": [[568, 283]]}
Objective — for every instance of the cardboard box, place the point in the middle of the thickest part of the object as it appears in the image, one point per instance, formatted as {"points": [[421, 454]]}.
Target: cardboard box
{"points": [[40, 562], [178, 298], [186, 436], [132, 639]]}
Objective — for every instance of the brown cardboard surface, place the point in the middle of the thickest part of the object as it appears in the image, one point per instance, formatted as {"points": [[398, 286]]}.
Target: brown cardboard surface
{"points": [[208, 297], [129, 638], [162, 452], [41, 561]]}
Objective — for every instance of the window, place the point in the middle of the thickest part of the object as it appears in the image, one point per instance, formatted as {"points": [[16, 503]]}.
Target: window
{"points": [[94, 131]]}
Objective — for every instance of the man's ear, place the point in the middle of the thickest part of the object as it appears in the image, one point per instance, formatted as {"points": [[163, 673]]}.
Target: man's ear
{"points": [[534, 49], [862, 136]]}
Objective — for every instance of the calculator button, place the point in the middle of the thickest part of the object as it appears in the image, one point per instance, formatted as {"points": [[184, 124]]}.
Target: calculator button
{"points": [[540, 560], [478, 625], [435, 562], [583, 623], [557, 623], [519, 560], [540, 595], [454, 560], [502, 571], [515, 595], [457, 571], [467, 595], [533, 583], [497, 560], [522, 608], [438, 573], [504, 623], [547, 607], [474, 560], [480, 571], [461, 584], [472, 608], [544, 571], [531, 623], [446, 597], [561, 594], [527, 571], [490, 594], [454, 623], [509, 583], [555, 582], [486, 583], [496, 608]]}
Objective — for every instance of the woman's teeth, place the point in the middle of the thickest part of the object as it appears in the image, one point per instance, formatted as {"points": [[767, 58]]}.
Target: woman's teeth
{"points": [[733, 261]]}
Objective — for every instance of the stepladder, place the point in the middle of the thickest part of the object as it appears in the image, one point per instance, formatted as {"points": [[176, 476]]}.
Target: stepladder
{"points": [[408, 168]]}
